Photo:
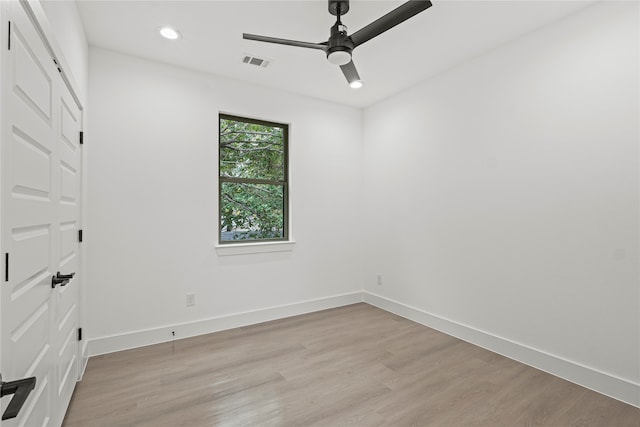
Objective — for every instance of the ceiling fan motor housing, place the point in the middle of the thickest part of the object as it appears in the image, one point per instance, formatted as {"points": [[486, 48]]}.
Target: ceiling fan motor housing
{"points": [[340, 45]]}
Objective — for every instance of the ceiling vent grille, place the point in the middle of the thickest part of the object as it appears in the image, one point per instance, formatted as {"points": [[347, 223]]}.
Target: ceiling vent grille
{"points": [[254, 60]]}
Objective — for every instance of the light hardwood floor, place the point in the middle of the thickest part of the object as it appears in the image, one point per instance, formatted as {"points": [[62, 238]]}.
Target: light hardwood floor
{"points": [[354, 365]]}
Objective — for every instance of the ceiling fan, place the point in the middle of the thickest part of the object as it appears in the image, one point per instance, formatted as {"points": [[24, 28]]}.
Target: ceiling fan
{"points": [[340, 45]]}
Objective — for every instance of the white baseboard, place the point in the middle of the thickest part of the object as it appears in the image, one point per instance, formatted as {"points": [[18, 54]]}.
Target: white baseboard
{"points": [[113, 343], [612, 386]]}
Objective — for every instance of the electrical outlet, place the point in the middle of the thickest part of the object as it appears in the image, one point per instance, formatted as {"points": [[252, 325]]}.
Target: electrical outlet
{"points": [[379, 279], [191, 299]]}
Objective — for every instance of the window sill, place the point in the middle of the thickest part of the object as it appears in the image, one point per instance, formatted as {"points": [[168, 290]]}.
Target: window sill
{"points": [[254, 248]]}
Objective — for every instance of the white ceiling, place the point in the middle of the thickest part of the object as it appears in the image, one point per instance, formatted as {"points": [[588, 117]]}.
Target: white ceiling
{"points": [[444, 35]]}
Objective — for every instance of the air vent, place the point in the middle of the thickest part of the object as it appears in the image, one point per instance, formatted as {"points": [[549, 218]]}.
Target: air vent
{"points": [[254, 60]]}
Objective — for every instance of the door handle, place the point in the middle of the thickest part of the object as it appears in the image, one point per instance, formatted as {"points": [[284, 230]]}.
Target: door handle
{"points": [[61, 279], [20, 390]]}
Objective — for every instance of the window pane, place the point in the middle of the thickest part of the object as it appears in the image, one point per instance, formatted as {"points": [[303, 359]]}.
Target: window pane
{"points": [[250, 150], [251, 211]]}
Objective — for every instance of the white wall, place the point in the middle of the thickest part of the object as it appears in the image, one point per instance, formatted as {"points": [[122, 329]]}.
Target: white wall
{"points": [[503, 194], [153, 205]]}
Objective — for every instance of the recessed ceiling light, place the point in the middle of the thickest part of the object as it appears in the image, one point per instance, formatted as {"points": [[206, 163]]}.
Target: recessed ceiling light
{"points": [[169, 33], [356, 84]]}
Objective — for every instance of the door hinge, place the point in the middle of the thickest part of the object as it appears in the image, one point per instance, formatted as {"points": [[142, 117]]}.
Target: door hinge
{"points": [[6, 267], [80, 236], [79, 334], [9, 42], [81, 137]]}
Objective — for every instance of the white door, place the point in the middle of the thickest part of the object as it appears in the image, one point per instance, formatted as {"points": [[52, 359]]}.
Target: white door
{"points": [[66, 298], [40, 187]]}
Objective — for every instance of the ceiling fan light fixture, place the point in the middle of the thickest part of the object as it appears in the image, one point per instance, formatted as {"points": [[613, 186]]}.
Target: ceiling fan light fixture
{"points": [[169, 33], [339, 57]]}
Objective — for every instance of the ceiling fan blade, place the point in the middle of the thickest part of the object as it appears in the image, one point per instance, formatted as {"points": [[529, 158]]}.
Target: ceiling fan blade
{"points": [[320, 46], [350, 72], [390, 20]]}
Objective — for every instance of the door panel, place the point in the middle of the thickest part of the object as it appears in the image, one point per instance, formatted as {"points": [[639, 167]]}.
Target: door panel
{"points": [[28, 338], [33, 179], [33, 80], [67, 375], [68, 209], [68, 245], [35, 412], [67, 183], [29, 256], [30, 225], [69, 119]]}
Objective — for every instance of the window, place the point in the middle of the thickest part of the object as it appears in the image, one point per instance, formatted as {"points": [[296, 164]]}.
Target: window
{"points": [[253, 188]]}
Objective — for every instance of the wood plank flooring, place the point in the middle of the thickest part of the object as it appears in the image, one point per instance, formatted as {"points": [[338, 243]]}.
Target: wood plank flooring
{"points": [[355, 365]]}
